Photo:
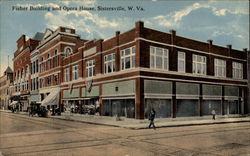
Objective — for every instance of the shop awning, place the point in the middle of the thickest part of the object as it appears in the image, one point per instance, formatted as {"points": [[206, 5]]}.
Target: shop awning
{"points": [[52, 98], [13, 103]]}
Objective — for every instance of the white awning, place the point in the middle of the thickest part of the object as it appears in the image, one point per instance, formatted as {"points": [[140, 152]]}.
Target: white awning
{"points": [[52, 98], [13, 103]]}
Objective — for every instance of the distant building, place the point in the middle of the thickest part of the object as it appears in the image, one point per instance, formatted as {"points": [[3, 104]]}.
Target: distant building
{"points": [[5, 81]]}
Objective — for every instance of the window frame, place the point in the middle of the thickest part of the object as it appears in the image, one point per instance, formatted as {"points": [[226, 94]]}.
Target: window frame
{"points": [[131, 56], [196, 62], [75, 72], [183, 60], [220, 63], [106, 63], [90, 66], [237, 70], [164, 56]]}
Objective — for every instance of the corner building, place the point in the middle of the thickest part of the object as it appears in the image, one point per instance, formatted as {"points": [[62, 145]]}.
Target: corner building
{"points": [[142, 68]]}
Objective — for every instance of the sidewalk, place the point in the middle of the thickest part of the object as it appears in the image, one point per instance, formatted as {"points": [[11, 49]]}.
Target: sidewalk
{"points": [[159, 122], [143, 124]]}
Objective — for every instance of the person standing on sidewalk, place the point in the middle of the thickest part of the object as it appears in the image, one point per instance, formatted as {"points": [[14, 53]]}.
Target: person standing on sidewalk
{"points": [[213, 113], [151, 118]]}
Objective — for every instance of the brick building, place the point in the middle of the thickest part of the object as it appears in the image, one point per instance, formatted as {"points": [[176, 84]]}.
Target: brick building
{"points": [[5, 81], [142, 68], [134, 71], [22, 68], [54, 48]]}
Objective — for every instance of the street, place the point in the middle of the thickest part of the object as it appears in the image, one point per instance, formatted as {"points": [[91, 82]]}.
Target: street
{"points": [[24, 135]]}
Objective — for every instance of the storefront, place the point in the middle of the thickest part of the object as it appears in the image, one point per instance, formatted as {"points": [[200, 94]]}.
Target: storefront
{"points": [[231, 103], [118, 99], [187, 99], [158, 95], [212, 99]]}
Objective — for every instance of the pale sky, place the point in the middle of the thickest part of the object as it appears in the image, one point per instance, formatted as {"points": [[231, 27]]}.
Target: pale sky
{"points": [[225, 21]]}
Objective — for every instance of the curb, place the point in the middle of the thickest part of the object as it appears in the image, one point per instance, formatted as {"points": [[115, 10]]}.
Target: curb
{"points": [[163, 126], [140, 128]]}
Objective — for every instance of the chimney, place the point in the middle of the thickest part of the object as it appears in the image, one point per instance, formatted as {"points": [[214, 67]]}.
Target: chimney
{"points": [[173, 36], [210, 44], [117, 33], [229, 46], [138, 28]]}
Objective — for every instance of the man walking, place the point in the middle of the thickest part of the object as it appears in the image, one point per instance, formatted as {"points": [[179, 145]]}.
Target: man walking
{"points": [[213, 113], [151, 118]]}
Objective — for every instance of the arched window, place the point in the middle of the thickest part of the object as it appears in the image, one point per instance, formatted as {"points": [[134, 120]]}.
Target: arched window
{"points": [[67, 51]]}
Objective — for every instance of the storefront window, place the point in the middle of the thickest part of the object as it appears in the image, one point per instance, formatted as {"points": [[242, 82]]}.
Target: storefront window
{"points": [[125, 107], [162, 107]]}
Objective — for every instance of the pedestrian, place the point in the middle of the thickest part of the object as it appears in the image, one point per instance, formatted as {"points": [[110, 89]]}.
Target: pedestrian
{"points": [[213, 113], [151, 118]]}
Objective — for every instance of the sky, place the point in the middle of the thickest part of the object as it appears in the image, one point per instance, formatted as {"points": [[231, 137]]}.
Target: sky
{"points": [[223, 21]]}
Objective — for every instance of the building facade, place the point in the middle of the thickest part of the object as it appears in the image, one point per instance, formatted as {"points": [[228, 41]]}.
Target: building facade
{"points": [[54, 48], [137, 70], [22, 71], [143, 68], [5, 81]]}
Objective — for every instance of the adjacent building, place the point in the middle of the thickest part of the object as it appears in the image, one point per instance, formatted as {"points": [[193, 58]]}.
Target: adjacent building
{"points": [[137, 70], [22, 71], [5, 81]]}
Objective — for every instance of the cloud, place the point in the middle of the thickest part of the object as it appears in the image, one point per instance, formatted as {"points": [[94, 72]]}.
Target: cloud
{"points": [[90, 24], [221, 12]]}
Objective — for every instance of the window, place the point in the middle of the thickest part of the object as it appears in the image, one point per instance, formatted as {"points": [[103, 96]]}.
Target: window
{"points": [[36, 66], [67, 51], [48, 81], [237, 70], [199, 64], [42, 65], [37, 83], [66, 75], [90, 68], [41, 83], [109, 63], [158, 58], [27, 70], [181, 62], [56, 78], [128, 58], [75, 72], [220, 68]]}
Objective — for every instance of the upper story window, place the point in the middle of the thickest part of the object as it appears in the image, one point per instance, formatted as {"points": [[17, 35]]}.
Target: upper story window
{"points": [[199, 64], [27, 70], [237, 70], [128, 58], [109, 63], [66, 75], [36, 66], [75, 72], [48, 81], [56, 79], [42, 65], [158, 58], [181, 62], [90, 68], [67, 51], [219, 68]]}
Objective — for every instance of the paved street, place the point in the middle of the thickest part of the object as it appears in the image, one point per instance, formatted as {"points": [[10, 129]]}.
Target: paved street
{"points": [[24, 135]]}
